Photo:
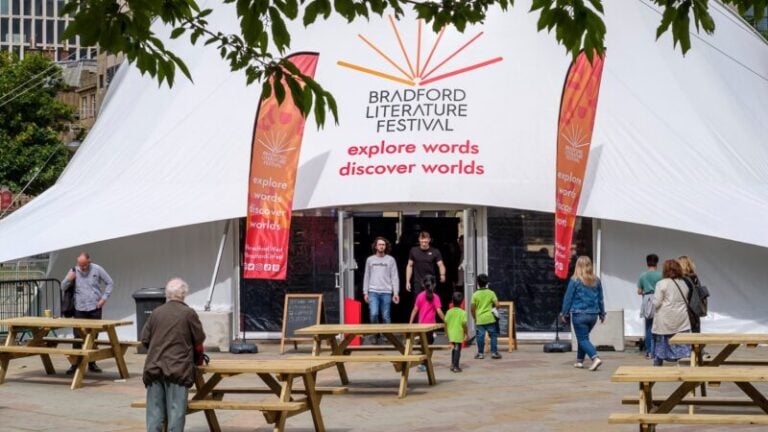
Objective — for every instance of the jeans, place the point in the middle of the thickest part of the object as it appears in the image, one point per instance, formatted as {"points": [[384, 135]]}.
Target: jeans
{"points": [[648, 335], [582, 325], [380, 302], [480, 337], [455, 354], [166, 401]]}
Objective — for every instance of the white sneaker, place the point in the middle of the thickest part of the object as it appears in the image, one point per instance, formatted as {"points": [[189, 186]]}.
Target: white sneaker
{"points": [[578, 365], [595, 364]]}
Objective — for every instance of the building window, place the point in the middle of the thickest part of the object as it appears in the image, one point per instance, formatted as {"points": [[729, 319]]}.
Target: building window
{"points": [[4, 7], [93, 105]]}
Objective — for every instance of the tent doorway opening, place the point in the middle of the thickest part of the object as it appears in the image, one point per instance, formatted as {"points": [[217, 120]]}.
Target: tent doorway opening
{"points": [[452, 233]]}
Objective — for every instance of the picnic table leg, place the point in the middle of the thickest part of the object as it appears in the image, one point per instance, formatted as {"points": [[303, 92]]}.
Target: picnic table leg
{"points": [[118, 352], [88, 343], [336, 349], [405, 368], [203, 390], [646, 403], [313, 399], [285, 396], [5, 359], [425, 349], [37, 340], [754, 394]]}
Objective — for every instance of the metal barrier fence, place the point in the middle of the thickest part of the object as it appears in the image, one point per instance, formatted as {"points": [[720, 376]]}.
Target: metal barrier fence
{"points": [[29, 297]]}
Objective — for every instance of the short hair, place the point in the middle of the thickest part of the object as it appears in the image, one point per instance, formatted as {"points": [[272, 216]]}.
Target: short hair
{"points": [[652, 260], [376, 240], [672, 269], [176, 289], [482, 280], [424, 235], [458, 297]]}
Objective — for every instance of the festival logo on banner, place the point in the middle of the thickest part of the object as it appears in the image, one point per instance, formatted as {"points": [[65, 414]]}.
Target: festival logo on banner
{"points": [[274, 160], [400, 116], [574, 135]]}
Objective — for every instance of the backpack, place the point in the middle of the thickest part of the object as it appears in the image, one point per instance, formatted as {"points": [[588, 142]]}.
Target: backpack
{"points": [[698, 296], [68, 300]]}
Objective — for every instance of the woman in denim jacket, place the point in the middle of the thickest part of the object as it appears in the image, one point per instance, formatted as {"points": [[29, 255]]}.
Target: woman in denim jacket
{"points": [[584, 302]]}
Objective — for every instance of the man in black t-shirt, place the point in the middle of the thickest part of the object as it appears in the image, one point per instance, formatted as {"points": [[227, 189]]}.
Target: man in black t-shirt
{"points": [[421, 262]]}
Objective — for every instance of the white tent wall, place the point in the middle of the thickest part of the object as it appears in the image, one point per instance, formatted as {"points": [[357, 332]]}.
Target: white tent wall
{"points": [[151, 259], [733, 272]]}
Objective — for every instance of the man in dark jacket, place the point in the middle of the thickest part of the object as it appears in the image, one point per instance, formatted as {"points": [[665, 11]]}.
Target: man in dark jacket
{"points": [[170, 335]]}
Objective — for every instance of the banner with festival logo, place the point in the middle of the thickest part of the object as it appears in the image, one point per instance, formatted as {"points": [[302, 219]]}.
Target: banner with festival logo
{"points": [[574, 136], [275, 152]]}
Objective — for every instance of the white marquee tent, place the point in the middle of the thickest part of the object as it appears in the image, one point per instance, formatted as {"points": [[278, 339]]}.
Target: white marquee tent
{"points": [[679, 161]]}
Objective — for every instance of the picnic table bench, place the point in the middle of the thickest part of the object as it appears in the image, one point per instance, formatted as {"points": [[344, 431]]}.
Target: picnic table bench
{"points": [[653, 411], [279, 376], [41, 345], [408, 341]]}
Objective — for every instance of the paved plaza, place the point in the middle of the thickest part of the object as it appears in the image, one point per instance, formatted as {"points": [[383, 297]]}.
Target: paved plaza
{"points": [[527, 390]]}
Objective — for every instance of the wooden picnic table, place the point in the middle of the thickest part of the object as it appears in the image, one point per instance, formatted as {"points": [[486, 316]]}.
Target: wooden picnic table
{"points": [[654, 411], [414, 336], [40, 344], [731, 342], [278, 376]]}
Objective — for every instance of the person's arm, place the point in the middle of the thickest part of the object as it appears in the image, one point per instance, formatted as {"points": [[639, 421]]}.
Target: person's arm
{"points": [[146, 332], [472, 309], [408, 274], [441, 268], [640, 286], [68, 279], [658, 295], [440, 314], [366, 279], [600, 300], [107, 290], [395, 279], [413, 314], [196, 328]]}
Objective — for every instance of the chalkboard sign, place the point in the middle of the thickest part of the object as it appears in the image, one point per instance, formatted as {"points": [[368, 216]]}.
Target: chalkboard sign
{"points": [[507, 329], [300, 310]]}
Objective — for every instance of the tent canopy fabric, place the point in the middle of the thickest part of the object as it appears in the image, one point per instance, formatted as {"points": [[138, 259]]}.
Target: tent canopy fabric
{"points": [[679, 141]]}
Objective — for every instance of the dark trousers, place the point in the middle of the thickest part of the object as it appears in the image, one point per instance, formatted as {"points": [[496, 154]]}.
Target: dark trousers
{"points": [[456, 354], [92, 314]]}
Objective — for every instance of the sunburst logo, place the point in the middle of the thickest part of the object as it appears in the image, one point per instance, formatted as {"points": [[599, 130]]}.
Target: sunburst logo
{"points": [[575, 140], [276, 146], [413, 72]]}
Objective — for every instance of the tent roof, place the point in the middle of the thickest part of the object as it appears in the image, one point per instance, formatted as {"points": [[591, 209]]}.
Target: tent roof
{"points": [[679, 142]]}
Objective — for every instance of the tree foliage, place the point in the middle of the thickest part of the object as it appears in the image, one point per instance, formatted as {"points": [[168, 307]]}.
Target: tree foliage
{"points": [[125, 27], [31, 120]]}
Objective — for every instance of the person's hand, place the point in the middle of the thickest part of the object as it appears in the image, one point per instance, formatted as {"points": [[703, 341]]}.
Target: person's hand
{"points": [[100, 303], [562, 319], [366, 298], [442, 278], [602, 319], [395, 299], [70, 275], [408, 286]]}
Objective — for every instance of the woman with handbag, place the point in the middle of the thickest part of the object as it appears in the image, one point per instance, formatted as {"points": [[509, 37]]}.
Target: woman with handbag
{"points": [[584, 302], [693, 283], [671, 316]]}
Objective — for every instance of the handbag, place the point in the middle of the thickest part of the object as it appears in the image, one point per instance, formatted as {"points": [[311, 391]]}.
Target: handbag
{"points": [[693, 318], [68, 300], [647, 310]]}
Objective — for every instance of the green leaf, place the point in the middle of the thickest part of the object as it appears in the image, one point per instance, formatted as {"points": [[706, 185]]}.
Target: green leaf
{"points": [[280, 34], [177, 32]]}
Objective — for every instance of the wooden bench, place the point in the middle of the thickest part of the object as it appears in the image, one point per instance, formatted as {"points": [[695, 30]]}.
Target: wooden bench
{"points": [[36, 350], [376, 348], [657, 410], [261, 390], [54, 341], [695, 419], [207, 404], [394, 358]]}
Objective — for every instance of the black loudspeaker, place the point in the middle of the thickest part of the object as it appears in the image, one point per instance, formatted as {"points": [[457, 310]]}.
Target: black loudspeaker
{"points": [[557, 345], [241, 346]]}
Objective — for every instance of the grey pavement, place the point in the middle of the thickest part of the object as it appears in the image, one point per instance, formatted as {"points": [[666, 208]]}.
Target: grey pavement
{"points": [[527, 390]]}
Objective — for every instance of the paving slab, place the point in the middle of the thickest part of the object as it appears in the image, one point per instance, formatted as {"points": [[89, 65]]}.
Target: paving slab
{"points": [[527, 390]]}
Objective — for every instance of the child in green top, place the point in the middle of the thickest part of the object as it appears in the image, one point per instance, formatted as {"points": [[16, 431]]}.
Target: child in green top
{"points": [[483, 303], [456, 329]]}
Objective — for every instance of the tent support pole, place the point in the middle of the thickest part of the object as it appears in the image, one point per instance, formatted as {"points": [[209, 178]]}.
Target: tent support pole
{"points": [[216, 267]]}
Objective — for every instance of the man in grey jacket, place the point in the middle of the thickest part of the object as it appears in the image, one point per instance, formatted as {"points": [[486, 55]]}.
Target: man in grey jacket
{"points": [[171, 335], [89, 296], [381, 285]]}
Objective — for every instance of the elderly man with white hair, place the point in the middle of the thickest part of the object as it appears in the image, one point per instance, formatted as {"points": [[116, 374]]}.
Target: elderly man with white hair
{"points": [[171, 334]]}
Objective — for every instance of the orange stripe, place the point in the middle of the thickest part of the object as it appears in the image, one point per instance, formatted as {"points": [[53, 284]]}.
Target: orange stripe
{"points": [[375, 73], [434, 47], [462, 70], [418, 52], [402, 47], [381, 53]]}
